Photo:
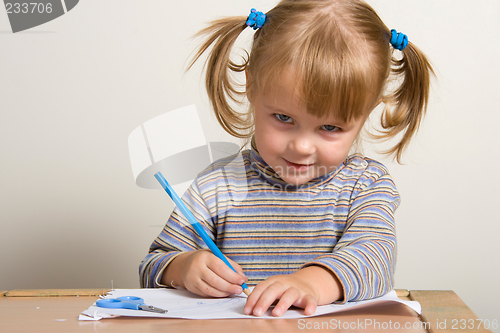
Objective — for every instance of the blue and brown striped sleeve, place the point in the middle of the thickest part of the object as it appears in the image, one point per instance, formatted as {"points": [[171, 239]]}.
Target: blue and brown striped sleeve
{"points": [[365, 256]]}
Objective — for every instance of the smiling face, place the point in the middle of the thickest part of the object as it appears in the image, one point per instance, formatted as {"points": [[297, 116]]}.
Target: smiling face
{"points": [[297, 145]]}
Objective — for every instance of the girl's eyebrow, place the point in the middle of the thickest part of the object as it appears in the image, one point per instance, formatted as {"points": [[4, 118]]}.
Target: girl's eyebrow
{"points": [[342, 124], [275, 108], [332, 120]]}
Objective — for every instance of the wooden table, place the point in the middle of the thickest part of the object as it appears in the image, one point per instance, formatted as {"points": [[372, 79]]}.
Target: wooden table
{"points": [[58, 310]]}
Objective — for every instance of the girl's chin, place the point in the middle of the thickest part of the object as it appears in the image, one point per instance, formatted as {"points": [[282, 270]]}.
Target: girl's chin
{"points": [[296, 180]]}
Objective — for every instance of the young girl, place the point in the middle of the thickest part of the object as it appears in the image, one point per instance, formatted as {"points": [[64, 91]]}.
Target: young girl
{"points": [[317, 223]]}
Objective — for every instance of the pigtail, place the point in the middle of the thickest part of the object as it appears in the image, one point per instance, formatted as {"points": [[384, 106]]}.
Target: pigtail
{"points": [[408, 101], [221, 86]]}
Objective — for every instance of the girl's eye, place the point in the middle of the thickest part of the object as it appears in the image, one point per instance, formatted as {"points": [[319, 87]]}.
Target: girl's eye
{"points": [[283, 118], [330, 128]]}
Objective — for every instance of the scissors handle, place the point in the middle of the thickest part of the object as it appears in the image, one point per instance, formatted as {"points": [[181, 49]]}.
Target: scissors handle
{"points": [[133, 299], [125, 302]]}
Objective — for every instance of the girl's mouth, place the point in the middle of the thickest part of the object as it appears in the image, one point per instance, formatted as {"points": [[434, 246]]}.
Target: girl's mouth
{"points": [[297, 166]]}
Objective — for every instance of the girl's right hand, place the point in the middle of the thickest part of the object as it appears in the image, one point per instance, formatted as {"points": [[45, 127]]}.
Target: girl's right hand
{"points": [[202, 273]]}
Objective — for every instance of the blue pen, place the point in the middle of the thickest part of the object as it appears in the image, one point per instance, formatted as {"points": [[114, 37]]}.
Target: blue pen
{"points": [[196, 225]]}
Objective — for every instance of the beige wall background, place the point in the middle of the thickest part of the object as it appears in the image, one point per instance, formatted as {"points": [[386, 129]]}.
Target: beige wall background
{"points": [[73, 89]]}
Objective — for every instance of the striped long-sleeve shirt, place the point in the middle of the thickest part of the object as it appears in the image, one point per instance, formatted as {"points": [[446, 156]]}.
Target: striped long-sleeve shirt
{"points": [[342, 221]]}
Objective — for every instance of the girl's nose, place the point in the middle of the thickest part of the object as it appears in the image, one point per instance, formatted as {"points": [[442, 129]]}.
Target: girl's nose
{"points": [[302, 144]]}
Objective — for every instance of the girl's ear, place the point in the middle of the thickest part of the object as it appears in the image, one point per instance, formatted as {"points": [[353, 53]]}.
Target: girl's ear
{"points": [[248, 86]]}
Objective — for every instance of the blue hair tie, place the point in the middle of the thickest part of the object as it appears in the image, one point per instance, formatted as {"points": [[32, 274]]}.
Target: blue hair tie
{"points": [[256, 19], [398, 40]]}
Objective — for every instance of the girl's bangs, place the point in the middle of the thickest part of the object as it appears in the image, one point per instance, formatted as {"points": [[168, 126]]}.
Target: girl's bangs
{"points": [[336, 87], [329, 81]]}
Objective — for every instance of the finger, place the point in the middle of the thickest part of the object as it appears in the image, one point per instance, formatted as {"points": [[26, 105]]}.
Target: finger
{"points": [[266, 299], [224, 271], [208, 259], [200, 287], [220, 283], [201, 279], [238, 268], [310, 305], [289, 297], [254, 296], [204, 289]]}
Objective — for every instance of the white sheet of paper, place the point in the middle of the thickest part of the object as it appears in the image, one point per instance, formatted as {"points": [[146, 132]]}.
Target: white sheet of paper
{"points": [[184, 304]]}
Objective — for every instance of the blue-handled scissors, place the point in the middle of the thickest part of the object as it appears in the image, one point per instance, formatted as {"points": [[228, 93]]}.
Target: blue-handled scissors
{"points": [[127, 302]]}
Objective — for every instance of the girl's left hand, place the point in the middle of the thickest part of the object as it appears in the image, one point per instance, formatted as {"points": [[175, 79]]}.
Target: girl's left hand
{"points": [[294, 289]]}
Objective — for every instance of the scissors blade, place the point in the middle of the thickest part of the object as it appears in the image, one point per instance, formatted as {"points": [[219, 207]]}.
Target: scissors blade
{"points": [[151, 309]]}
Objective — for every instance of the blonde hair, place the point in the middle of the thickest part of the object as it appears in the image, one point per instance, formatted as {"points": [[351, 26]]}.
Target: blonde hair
{"points": [[341, 58]]}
